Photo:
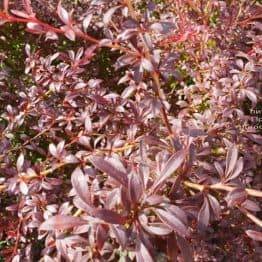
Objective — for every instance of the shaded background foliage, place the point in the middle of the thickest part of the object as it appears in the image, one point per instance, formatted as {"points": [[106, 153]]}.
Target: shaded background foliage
{"points": [[130, 130]]}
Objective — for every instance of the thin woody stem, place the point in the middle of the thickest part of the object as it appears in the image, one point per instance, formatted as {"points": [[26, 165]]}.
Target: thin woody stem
{"points": [[130, 8], [219, 186], [249, 215]]}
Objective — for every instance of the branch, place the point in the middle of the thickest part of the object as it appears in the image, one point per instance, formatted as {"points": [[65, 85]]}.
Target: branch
{"points": [[219, 186], [256, 220], [130, 8]]}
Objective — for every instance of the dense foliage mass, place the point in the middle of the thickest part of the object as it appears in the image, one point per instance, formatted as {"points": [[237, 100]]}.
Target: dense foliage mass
{"points": [[130, 130]]}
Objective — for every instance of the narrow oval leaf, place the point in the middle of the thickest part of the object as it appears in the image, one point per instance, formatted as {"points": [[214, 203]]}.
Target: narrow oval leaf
{"points": [[86, 21], [112, 167], [110, 216], [20, 162], [63, 14], [215, 206], [203, 216], [231, 159], [238, 169], [135, 189], [147, 65], [236, 197], [108, 15], [173, 222], [61, 222], [185, 249], [254, 235], [157, 229], [79, 183], [171, 166], [143, 254]]}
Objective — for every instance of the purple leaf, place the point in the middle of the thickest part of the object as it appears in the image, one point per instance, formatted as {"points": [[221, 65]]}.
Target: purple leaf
{"points": [[157, 229], [121, 235], [20, 162], [79, 183], [203, 215], [178, 212], [252, 97], [108, 15], [251, 205], [147, 65], [254, 235], [69, 33], [231, 159], [52, 150], [61, 222], [110, 216], [19, 13], [173, 222], [87, 21], [35, 27], [63, 14], [101, 235], [23, 188], [112, 167], [236, 197], [238, 169], [135, 188], [219, 169], [185, 249], [215, 206], [170, 167], [143, 254]]}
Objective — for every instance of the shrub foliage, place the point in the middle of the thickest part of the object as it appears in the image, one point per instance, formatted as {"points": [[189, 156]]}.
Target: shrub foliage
{"points": [[131, 130]]}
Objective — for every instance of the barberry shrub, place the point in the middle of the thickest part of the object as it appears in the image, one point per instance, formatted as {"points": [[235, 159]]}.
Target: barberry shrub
{"points": [[131, 130]]}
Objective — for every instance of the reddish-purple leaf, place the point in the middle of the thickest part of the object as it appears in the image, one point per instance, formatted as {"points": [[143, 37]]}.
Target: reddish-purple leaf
{"points": [[109, 216], [236, 197], [215, 206], [121, 234], [63, 14], [254, 235], [252, 97], [61, 222], [79, 203], [101, 235], [203, 215], [20, 13], [135, 188], [238, 169], [231, 159], [185, 249], [157, 229], [143, 254], [87, 21], [112, 166], [35, 28], [178, 212], [20, 162], [69, 33], [251, 205], [147, 65], [170, 167], [108, 15], [79, 183], [172, 221], [219, 169], [172, 247]]}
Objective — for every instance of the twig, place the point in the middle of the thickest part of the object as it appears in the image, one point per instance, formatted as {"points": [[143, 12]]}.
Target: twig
{"points": [[130, 8], [249, 215], [17, 239], [219, 186]]}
